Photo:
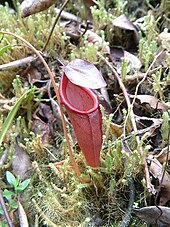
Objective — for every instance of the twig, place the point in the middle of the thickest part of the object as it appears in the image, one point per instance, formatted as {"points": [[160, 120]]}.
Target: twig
{"points": [[68, 16], [144, 78], [5, 210], [55, 22], [49, 152], [126, 220], [132, 117], [58, 97], [162, 178], [18, 63], [124, 92]]}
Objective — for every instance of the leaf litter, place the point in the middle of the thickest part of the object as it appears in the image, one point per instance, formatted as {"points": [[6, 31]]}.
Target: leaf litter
{"points": [[129, 46]]}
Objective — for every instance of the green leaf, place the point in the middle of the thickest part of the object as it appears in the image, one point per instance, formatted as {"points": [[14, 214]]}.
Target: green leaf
{"points": [[4, 49], [7, 194], [11, 115], [10, 178], [3, 223], [1, 211], [13, 205], [23, 185]]}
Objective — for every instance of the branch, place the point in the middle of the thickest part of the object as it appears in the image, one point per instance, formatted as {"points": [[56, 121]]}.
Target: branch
{"points": [[18, 63], [55, 22], [132, 116], [75, 166], [5, 210]]}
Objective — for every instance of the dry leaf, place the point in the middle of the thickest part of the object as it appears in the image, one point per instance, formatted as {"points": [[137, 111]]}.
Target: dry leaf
{"points": [[162, 156], [116, 55], [123, 22], [92, 37], [152, 101], [89, 2], [84, 73], [21, 163], [23, 221], [165, 39], [131, 38], [43, 117], [151, 123], [115, 129], [165, 36], [134, 61], [105, 95], [152, 215], [33, 75], [29, 7], [156, 170]]}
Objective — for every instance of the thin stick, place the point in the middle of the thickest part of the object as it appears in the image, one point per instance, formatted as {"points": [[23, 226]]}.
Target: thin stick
{"points": [[68, 16], [18, 63], [55, 22], [162, 178], [5, 210], [126, 220], [75, 166], [132, 117], [145, 75]]}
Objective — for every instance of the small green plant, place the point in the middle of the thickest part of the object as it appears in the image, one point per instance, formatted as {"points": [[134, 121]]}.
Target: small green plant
{"points": [[101, 17], [158, 84], [148, 44], [17, 85], [11, 195], [165, 127], [88, 51], [4, 49], [147, 50], [16, 183], [124, 68]]}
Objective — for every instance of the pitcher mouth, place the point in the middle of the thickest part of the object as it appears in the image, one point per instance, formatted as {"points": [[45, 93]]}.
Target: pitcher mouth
{"points": [[63, 91]]}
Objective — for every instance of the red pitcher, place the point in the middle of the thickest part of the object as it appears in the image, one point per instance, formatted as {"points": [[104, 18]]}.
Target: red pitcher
{"points": [[83, 110]]}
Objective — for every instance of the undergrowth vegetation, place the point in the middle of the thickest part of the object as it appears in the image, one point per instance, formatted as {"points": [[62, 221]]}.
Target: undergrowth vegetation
{"points": [[30, 121]]}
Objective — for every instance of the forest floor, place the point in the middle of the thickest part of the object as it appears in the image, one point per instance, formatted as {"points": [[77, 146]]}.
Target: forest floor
{"points": [[121, 53]]}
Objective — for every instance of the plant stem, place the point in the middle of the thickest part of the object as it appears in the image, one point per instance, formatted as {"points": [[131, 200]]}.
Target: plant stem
{"points": [[55, 22], [75, 166], [2, 203], [145, 75], [126, 220], [132, 117]]}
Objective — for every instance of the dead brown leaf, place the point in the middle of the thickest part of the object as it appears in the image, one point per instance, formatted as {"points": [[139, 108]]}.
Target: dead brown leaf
{"points": [[165, 39], [22, 216], [151, 124], [154, 215], [116, 55], [21, 163], [33, 75], [134, 61], [123, 22], [89, 2], [162, 156], [116, 130], [124, 32], [92, 37], [43, 117], [152, 101], [29, 7], [156, 170]]}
